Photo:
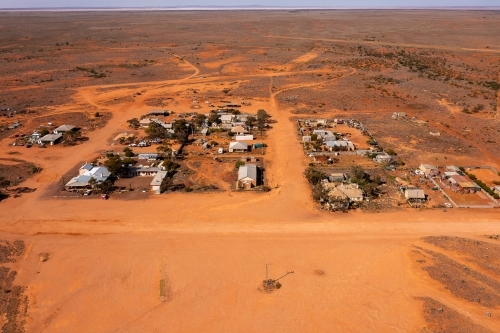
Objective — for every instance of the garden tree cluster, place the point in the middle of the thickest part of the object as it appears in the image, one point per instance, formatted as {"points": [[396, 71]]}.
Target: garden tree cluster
{"points": [[116, 165], [156, 131], [238, 164], [314, 176], [167, 184], [365, 181], [71, 137], [181, 131], [213, 118], [319, 193], [101, 187], [250, 122], [170, 166], [391, 152], [44, 132], [200, 119], [134, 123], [128, 152], [483, 186], [165, 149], [127, 140], [262, 118]]}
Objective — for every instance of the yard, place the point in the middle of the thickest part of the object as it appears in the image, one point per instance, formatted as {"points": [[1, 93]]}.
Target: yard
{"points": [[488, 176], [472, 199]]}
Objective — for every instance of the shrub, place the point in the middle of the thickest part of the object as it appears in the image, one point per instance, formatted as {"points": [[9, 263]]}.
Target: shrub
{"points": [[239, 163]]}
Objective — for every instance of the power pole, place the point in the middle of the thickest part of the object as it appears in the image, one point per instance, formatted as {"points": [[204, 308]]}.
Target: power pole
{"points": [[267, 278]]}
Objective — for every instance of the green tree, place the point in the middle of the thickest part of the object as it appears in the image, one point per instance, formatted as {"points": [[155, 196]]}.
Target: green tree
{"points": [[391, 152], [200, 119], [167, 184], [250, 122], [156, 131], [116, 165], [128, 152], [213, 118], [71, 137], [238, 164], [314, 176], [44, 132], [262, 118], [181, 131], [92, 182], [165, 149], [105, 186], [134, 123], [358, 174]]}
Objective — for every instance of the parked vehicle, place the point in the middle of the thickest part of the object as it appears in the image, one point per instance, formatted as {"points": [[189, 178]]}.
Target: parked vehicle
{"points": [[448, 205]]}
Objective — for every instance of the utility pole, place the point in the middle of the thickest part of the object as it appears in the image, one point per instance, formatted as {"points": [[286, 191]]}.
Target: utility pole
{"points": [[267, 278]]}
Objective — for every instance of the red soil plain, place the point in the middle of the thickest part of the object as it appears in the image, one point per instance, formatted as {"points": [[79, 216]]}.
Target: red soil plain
{"points": [[87, 265]]}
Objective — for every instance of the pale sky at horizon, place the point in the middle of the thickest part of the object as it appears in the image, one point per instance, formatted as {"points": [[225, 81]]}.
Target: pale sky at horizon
{"points": [[278, 3]]}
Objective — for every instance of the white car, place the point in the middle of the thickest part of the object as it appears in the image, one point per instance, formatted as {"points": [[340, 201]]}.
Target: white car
{"points": [[448, 205]]}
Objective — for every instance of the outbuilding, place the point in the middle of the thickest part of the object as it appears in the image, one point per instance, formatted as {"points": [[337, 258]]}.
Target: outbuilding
{"points": [[157, 180], [50, 139], [235, 147], [247, 176]]}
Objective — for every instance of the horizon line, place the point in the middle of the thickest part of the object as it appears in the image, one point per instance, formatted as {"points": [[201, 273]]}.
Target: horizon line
{"points": [[248, 7]]}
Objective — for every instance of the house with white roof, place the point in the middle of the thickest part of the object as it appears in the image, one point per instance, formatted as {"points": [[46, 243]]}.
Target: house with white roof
{"points": [[50, 139], [63, 129], [85, 174], [235, 147], [348, 145], [247, 176], [226, 118], [157, 180]]}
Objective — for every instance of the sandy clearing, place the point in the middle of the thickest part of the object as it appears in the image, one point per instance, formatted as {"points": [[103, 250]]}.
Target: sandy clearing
{"points": [[214, 281], [306, 57]]}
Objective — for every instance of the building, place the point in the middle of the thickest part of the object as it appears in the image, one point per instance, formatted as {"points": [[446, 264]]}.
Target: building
{"points": [[148, 156], [258, 145], [462, 184], [349, 191], [414, 194], [453, 168], [247, 176], [306, 138], [157, 180], [240, 130], [158, 113], [144, 171], [145, 122], [64, 128], [85, 174], [322, 133], [383, 158], [347, 145], [337, 177], [50, 139], [204, 131], [235, 147], [248, 137], [429, 169], [226, 118]]}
